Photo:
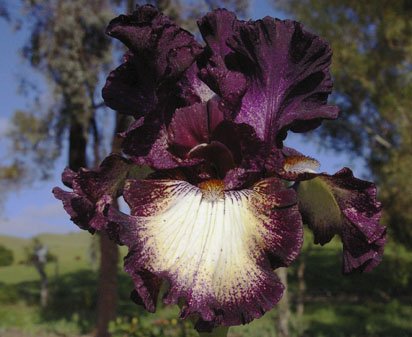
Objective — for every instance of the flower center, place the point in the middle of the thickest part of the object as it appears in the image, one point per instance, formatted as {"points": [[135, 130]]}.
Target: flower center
{"points": [[213, 189]]}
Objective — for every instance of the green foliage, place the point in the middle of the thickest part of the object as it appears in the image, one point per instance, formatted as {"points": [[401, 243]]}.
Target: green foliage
{"points": [[372, 62], [6, 256], [11, 174], [68, 47], [186, 13], [376, 304], [151, 328], [32, 136]]}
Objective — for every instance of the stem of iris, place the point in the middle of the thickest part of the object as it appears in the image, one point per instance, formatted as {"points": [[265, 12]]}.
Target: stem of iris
{"points": [[218, 332]]}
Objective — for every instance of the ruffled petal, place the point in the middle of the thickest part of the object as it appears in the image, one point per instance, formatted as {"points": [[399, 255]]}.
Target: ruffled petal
{"points": [[216, 249], [219, 69], [93, 191], [80, 209], [344, 205], [159, 54], [288, 77], [163, 45], [131, 88]]}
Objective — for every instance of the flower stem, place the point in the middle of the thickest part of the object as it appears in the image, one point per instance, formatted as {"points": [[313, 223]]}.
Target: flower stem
{"points": [[218, 332]]}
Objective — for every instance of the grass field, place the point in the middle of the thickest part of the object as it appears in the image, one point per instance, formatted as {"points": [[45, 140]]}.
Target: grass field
{"points": [[378, 304], [71, 250]]}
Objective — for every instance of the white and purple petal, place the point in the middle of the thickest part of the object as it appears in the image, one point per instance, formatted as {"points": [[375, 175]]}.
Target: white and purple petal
{"points": [[216, 248]]}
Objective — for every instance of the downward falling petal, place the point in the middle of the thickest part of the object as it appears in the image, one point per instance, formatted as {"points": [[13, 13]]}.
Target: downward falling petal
{"points": [[215, 248]]}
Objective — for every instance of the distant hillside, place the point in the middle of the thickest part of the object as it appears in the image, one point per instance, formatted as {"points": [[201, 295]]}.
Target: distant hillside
{"points": [[15, 244], [72, 251]]}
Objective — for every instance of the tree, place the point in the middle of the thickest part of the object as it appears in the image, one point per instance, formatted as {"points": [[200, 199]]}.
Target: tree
{"points": [[6, 256], [11, 175], [372, 44], [38, 255], [68, 47]]}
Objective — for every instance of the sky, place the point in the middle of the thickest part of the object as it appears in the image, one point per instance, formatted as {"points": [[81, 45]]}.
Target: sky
{"points": [[32, 209]]}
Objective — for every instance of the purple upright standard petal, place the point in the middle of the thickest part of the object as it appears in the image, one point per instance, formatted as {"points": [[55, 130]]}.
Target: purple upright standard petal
{"points": [[218, 69], [287, 69], [147, 83]]}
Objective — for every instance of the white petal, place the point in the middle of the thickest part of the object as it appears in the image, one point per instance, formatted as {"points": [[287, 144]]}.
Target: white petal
{"points": [[209, 246]]}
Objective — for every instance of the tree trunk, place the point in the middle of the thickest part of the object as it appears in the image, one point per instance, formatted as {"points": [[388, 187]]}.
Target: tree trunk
{"points": [[44, 283], [109, 252], [109, 257], [282, 326], [77, 145], [300, 307], [107, 287], [44, 293]]}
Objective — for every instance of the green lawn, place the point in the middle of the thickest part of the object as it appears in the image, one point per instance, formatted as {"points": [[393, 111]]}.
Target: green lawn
{"points": [[378, 304]]}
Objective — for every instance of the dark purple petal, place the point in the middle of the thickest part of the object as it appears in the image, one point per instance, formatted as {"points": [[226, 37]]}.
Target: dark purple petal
{"points": [[217, 159], [131, 88], [186, 142], [217, 71], [192, 88], [344, 205], [159, 54], [200, 131], [156, 39], [68, 176], [148, 144], [189, 128], [285, 235], [288, 78], [248, 151], [93, 191], [108, 179], [215, 249], [80, 209]]}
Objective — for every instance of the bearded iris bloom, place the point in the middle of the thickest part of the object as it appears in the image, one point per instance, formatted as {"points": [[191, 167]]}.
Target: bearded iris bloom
{"points": [[226, 201]]}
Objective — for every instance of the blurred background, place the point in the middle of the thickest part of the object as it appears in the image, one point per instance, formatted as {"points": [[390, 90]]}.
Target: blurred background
{"points": [[58, 281]]}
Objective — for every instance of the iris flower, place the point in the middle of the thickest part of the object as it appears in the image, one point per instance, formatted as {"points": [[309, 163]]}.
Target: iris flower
{"points": [[226, 201]]}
